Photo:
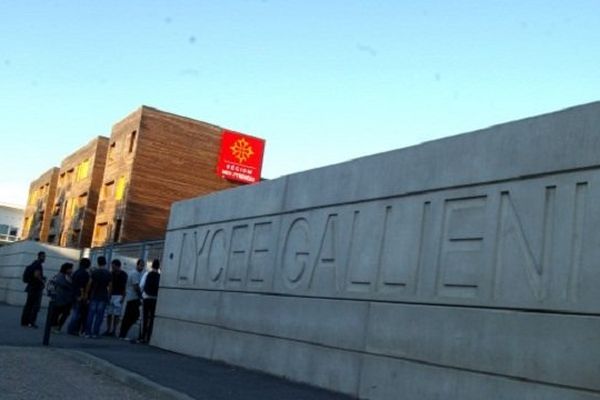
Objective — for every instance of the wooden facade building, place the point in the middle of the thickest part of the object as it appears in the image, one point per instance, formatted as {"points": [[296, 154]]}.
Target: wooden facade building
{"points": [[154, 158], [36, 221], [79, 182]]}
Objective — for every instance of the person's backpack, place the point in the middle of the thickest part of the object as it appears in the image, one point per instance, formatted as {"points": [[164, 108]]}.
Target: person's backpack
{"points": [[151, 284], [28, 274], [51, 287]]}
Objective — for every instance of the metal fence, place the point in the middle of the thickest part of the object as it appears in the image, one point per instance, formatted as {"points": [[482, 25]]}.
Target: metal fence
{"points": [[128, 253]]}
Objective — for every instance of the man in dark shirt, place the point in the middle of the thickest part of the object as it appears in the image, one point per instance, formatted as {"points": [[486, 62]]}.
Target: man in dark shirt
{"points": [[117, 298], [35, 289], [80, 307], [149, 284], [98, 290]]}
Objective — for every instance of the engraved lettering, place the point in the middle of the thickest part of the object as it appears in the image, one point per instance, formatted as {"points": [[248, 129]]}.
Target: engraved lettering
{"points": [[511, 227], [399, 253], [365, 243], [217, 255], [461, 258], [326, 262], [238, 254], [296, 252], [259, 255], [425, 217], [581, 190], [186, 270]]}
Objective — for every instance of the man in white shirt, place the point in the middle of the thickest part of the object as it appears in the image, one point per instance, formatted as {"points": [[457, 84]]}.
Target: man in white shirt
{"points": [[133, 299]]}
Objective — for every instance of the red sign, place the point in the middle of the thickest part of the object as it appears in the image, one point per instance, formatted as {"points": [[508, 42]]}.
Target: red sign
{"points": [[241, 157]]}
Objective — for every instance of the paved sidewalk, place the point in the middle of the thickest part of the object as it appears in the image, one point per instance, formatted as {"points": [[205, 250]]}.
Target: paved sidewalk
{"points": [[51, 374], [195, 377]]}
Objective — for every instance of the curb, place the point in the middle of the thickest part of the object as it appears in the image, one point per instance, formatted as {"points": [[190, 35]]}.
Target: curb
{"points": [[124, 376]]}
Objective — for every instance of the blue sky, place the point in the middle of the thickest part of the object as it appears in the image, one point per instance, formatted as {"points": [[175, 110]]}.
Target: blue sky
{"points": [[321, 81]]}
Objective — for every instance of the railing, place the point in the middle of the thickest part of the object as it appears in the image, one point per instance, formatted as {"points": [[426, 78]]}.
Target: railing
{"points": [[77, 221], [8, 238], [128, 253], [54, 225], [35, 231], [38, 226]]}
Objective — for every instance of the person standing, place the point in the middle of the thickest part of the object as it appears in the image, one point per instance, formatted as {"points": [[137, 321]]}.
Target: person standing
{"points": [[117, 298], [34, 277], [150, 283], [97, 292], [133, 298], [63, 296], [80, 280]]}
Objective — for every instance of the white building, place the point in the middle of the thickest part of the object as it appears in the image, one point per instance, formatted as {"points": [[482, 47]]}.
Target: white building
{"points": [[11, 220]]}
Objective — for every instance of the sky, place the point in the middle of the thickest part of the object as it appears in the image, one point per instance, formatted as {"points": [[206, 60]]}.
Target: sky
{"points": [[321, 81]]}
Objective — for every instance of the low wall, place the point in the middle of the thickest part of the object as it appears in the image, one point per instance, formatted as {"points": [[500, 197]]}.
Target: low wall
{"points": [[16, 256], [463, 268]]}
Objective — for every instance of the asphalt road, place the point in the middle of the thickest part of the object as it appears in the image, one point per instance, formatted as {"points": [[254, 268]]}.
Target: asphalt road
{"points": [[195, 377]]}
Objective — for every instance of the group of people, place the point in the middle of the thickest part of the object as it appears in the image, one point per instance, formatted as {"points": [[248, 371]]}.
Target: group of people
{"points": [[89, 293]]}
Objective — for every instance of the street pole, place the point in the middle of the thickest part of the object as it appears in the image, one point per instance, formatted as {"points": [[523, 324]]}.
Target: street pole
{"points": [[48, 325]]}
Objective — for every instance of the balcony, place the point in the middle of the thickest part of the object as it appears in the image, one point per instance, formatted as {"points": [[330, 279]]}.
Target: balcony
{"points": [[55, 223], [8, 238], [77, 221], [35, 231]]}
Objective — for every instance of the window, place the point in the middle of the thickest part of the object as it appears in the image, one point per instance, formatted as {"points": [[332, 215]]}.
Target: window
{"points": [[72, 208], [75, 237], [111, 151], [120, 190], [101, 232], [117, 231], [108, 189], [81, 204], [83, 170], [70, 175], [3, 229], [132, 140], [40, 217]]}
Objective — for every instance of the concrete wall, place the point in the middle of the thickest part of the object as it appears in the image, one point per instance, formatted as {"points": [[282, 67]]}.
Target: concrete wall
{"points": [[16, 256], [463, 268]]}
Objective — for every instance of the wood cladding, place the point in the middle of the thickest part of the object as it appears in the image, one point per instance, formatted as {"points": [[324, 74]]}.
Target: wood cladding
{"points": [[154, 158], [79, 182], [117, 171], [121, 189], [39, 206]]}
